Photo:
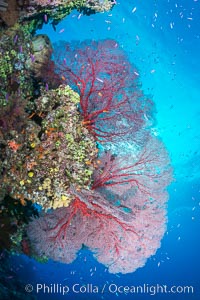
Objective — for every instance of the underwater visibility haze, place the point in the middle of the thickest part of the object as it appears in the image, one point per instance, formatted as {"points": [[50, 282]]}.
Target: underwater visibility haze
{"points": [[99, 146]]}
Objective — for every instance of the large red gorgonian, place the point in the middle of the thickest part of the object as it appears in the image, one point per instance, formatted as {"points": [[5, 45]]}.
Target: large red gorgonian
{"points": [[122, 217], [111, 101], [121, 229]]}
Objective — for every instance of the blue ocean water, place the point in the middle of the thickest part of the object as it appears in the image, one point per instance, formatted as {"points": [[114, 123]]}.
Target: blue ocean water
{"points": [[162, 38]]}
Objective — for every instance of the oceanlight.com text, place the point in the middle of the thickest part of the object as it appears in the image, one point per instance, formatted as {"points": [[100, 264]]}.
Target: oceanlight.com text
{"points": [[108, 288], [150, 289]]}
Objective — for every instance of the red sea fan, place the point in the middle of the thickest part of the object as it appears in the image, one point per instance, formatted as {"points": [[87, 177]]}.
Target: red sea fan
{"points": [[123, 230], [146, 170], [121, 240], [111, 101], [122, 217]]}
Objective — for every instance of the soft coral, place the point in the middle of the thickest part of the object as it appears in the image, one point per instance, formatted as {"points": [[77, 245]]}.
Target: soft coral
{"points": [[111, 101]]}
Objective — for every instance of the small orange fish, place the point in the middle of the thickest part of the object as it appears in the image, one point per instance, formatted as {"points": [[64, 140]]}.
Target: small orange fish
{"points": [[33, 114], [13, 145], [30, 165], [23, 202], [86, 122]]}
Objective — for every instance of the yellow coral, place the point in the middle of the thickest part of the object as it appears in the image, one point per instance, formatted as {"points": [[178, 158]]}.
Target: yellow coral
{"points": [[30, 174], [62, 201]]}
